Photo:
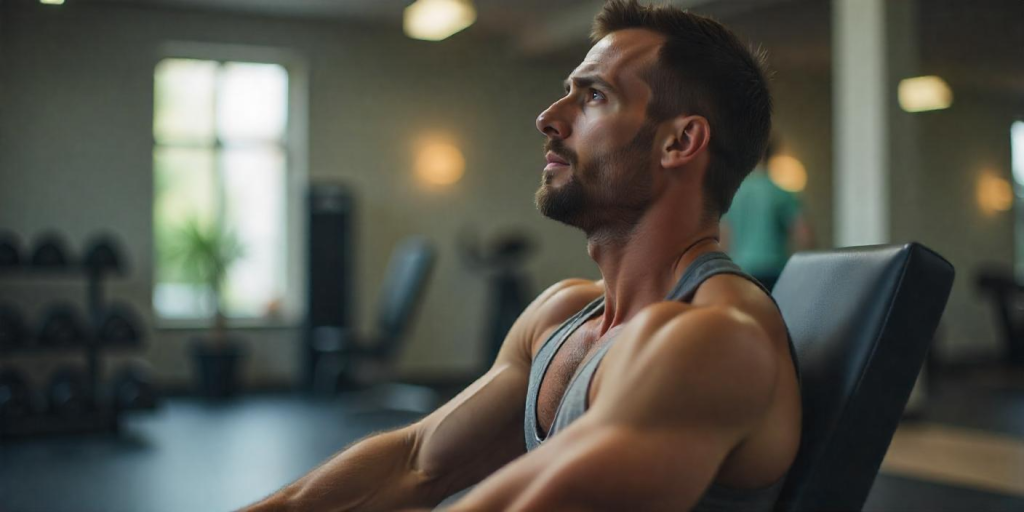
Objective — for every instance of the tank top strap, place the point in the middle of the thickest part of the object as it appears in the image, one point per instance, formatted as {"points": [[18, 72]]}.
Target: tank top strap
{"points": [[706, 265], [541, 362]]}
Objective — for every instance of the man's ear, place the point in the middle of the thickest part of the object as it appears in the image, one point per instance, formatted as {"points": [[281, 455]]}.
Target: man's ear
{"points": [[688, 137]]}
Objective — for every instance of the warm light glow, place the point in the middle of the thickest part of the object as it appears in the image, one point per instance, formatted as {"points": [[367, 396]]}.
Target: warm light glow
{"points": [[440, 163], [434, 20], [994, 194], [924, 93], [52, 2], [788, 173]]}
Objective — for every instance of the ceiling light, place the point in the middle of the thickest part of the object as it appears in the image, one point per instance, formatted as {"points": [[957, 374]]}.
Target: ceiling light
{"points": [[434, 20], [52, 2], [924, 93]]}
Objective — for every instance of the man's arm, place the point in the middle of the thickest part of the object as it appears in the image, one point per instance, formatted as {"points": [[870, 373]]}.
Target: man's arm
{"points": [[687, 386], [454, 447]]}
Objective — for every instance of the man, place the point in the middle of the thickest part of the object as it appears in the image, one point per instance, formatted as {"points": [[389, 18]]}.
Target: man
{"points": [[696, 403], [764, 226]]}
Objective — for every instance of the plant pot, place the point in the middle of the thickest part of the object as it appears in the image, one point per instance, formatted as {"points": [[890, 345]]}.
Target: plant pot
{"points": [[217, 367]]}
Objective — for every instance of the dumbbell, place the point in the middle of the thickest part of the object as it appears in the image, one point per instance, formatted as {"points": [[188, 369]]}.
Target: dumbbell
{"points": [[132, 388], [62, 326], [10, 249], [50, 250], [103, 254], [12, 328], [119, 326], [15, 398], [68, 394]]}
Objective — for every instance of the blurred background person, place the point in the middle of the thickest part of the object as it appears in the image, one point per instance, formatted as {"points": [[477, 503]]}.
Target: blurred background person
{"points": [[765, 225]]}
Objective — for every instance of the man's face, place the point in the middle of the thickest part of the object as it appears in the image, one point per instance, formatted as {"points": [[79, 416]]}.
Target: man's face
{"points": [[599, 144]]}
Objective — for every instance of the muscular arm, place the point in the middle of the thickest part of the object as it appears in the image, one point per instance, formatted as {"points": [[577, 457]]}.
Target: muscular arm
{"points": [[456, 446], [650, 441]]}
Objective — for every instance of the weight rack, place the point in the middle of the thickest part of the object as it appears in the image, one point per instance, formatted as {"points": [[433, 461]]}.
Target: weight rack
{"points": [[100, 416]]}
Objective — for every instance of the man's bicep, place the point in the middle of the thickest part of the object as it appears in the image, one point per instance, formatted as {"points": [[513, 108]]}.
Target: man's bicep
{"points": [[481, 429], [595, 466], [476, 432]]}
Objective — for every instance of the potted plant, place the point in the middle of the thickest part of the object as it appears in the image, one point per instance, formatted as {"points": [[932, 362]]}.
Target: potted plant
{"points": [[206, 254]]}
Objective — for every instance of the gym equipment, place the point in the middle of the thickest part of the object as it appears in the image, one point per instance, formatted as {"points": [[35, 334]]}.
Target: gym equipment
{"points": [[330, 280], [73, 401], [502, 263], [119, 326], [341, 356], [861, 319], [999, 283], [10, 250], [12, 328], [68, 394], [62, 326], [103, 254], [132, 389], [15, 398], [50, 250]]}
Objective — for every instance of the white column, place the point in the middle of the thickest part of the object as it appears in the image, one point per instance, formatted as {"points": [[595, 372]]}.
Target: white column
{"points": [[860, 120]]}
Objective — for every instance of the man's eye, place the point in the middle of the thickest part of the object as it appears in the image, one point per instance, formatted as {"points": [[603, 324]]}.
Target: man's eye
{"points": [[595, 95]]}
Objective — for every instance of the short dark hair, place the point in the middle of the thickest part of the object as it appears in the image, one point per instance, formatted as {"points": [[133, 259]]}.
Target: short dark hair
{"points": [[703, 68]]}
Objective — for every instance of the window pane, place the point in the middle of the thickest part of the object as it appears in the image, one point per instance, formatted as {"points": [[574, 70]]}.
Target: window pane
{"points": [[184, 190], [254, 189], [252, 102], [183, 101]]}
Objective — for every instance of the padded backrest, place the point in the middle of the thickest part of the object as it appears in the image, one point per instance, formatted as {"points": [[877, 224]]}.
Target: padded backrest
{"points": [[406, 280], [862, 320]]}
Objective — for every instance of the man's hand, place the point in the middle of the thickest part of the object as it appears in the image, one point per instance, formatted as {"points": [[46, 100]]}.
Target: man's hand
{"points": [[680, 389]]}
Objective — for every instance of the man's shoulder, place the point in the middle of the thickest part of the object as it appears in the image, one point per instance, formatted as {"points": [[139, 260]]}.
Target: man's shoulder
{"points": [[667, 329], [742, 294], [671, 346], [558, 303]]}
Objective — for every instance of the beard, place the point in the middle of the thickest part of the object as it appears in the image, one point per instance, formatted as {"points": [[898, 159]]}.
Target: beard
{"points": [[610, 193]]}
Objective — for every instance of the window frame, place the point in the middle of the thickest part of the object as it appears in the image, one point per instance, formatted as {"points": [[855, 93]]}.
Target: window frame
{"points": [[296, 150]]}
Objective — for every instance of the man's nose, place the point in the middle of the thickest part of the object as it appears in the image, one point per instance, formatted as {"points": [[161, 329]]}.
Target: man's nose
{"points": [[553, 123]]}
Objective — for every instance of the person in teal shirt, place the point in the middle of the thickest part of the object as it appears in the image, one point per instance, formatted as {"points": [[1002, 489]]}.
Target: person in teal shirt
{"points": [[764, 226]]}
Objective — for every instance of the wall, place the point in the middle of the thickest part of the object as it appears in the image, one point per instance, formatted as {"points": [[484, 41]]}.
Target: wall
{"points": [[75, 155], [958, 146], [803, 124]]}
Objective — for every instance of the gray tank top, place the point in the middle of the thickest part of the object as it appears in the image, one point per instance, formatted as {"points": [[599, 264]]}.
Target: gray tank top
{"points": [[717, 498]]}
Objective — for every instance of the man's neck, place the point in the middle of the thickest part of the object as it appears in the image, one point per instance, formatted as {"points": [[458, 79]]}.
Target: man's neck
{"points": [[640, 268]]}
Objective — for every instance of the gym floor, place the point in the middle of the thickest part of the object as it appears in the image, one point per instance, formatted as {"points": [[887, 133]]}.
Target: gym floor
{"points": [[966, 453]]}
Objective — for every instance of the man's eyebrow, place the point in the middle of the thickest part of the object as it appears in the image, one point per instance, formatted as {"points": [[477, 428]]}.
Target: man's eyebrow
{"points": [[589, 80]]}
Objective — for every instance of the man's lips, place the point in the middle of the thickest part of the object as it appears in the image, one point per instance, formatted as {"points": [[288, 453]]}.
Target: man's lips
{"points": [[554, 161]]}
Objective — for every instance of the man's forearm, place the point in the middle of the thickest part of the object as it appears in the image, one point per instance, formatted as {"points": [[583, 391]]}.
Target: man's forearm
{"points": [[377, 473]]}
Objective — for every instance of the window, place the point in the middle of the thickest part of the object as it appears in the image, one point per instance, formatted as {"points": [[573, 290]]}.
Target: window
{"points": [[1017, 169], [220, 162]]}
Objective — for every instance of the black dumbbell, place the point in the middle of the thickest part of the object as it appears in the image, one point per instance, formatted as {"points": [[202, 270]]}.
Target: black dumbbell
{"points": [[103, 254], [62, 326], [133, 388], [68, 394], [12, 328], [119, 326], [50, 250], [10, 249], [15, 398]]}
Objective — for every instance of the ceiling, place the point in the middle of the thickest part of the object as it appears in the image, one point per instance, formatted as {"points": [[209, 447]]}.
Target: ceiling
{"points": [[540, 26], [978, 43]]}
